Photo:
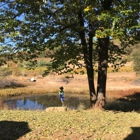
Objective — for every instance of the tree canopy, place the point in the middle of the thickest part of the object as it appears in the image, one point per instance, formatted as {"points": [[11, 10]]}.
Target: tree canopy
{"points": [[74, 30]]}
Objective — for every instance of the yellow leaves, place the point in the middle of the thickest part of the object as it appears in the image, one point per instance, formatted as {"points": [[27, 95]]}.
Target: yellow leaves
{"points": [[106, 32], [99, 18], [117, 33], [101, 28], [114, 35], [104, 16], [102, 32], [88, 8], [14, 34]]}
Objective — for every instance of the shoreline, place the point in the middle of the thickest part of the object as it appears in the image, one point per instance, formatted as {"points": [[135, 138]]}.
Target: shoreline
{"points": [[110, 93]]}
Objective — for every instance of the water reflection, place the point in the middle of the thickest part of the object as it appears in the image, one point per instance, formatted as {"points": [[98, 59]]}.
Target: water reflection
{"points": [[44, 101], [28, 105]]}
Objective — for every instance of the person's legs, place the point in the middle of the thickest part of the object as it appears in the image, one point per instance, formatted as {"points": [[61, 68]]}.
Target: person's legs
{"points": [[62, 101]]}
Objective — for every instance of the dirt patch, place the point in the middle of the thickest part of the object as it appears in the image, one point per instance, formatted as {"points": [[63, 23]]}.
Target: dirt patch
{"points": [[115, 81], [118, 84]]}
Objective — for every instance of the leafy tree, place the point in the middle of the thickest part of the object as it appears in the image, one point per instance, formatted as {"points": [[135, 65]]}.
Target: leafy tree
{"points": [[74, 30]]}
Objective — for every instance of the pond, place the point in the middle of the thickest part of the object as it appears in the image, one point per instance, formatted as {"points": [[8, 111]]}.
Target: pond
{"points": [[41, 102]]}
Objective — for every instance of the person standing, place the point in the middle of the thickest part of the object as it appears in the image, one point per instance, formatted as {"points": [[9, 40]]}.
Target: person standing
{"points": [[61, 95]]}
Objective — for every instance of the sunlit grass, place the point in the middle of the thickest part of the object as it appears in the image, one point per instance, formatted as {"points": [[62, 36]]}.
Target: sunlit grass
{"points": [[122, 69], [110, 69], [24, 91], [30, 91], [87, 125]]}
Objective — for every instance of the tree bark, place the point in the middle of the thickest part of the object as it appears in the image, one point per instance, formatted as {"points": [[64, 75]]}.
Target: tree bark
{"points": [[102, 71], [99, 99], [102, 63], [93, 97], [87, 51]]}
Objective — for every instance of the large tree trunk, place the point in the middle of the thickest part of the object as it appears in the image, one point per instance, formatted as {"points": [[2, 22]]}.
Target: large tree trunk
{"points": [[90, 75], [102, 63], [99, 99], [87, 51], [102, 71]]}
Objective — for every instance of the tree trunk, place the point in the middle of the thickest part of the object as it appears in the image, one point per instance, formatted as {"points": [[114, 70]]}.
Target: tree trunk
{"points": [[102, 63], [90, 75], [102, 71], [87, 51], [99, 99]]}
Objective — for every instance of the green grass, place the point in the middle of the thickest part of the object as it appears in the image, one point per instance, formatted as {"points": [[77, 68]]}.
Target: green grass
{"points": [[70, 125]]}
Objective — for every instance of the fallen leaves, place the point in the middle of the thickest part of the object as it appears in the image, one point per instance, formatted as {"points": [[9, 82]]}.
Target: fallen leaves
{"points": [[86, 124]]}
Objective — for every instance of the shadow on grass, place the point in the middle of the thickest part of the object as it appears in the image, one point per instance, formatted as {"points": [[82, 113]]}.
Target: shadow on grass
{"points": [[135, 135], [10, 130], [125, 104]]}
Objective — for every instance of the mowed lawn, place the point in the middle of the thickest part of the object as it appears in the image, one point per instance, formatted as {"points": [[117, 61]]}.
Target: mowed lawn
{"points": [[70, 125]]}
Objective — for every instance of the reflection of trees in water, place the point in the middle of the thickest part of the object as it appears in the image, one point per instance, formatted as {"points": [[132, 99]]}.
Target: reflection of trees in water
{"points": [[8, 104], [53, 100], [24, 100], [45, 101], [74, 102], [12, 104]]}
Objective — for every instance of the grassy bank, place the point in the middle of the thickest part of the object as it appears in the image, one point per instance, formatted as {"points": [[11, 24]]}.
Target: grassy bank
{"points": [[70, 125], [18, 83], [23, 91], [10, 92]]}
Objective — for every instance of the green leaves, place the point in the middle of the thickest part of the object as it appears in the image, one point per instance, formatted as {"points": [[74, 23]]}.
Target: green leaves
{"points": [[58, 23]]}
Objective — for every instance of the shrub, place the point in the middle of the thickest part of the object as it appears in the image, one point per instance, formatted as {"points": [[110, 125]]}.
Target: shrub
{"points": [[5, 72], [20, 65], [42, 63], [136, 59]]}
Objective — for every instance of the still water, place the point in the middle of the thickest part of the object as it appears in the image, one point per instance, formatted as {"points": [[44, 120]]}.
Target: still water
{"points": [[41, 102]]}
